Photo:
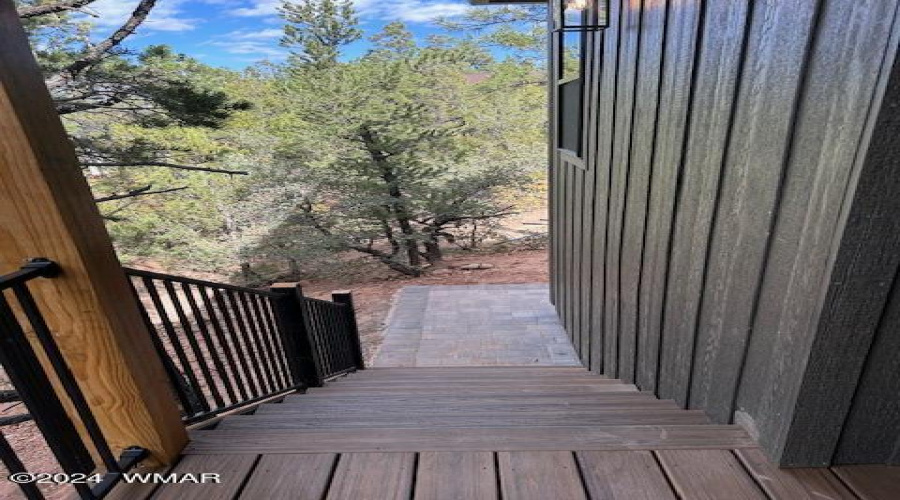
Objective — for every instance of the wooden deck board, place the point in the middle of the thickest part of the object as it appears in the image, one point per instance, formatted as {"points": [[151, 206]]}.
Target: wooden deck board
{"points": [[485, 434], [799, 484], [299, 477], [494, 419], [232, 470], [539, 475], [469, 439], [456, 476], [373, 476], [708, 475], [623, 475], [872, 482]]}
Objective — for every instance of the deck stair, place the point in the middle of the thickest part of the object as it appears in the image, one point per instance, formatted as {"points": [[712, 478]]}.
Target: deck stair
{"points": [[486, 433], [467, 409]]}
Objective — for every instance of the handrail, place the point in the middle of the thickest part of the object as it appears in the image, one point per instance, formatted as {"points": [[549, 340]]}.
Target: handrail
{"points": [[226, 346], [220, 344], [33, 384]]}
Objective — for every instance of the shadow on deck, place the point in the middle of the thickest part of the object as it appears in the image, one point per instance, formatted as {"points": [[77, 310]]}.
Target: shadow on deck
{"points": [[476, 394]]}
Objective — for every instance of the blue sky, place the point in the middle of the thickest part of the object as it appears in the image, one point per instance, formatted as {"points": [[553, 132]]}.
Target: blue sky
{"points": [[236, 33]]}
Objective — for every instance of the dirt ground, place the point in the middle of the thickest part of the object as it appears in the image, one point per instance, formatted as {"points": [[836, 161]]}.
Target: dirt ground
{"points": [[374, 289]]}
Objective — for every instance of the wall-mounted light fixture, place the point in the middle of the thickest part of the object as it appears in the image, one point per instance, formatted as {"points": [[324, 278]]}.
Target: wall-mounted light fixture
{"points": [[580, 15]]}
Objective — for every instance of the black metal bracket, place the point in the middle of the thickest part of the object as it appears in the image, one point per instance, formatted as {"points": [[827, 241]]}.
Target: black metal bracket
{"points": [[128, 460], [46, 267]]}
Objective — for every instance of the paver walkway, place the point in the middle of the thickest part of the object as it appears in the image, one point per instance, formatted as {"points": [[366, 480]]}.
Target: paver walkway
{"points": [[475, 325]]}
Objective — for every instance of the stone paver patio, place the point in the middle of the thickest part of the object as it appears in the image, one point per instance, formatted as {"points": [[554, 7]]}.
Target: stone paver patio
{"points": [[475, 325]]}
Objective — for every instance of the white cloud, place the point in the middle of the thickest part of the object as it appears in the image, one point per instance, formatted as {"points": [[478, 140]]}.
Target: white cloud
{"points": [[259, 8], [165, 16], [417, 11], [246, 47], [265, 34], [411, 11]]}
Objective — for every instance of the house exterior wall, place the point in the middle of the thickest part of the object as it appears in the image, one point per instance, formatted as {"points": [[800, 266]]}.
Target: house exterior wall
{"points": [[697, 242]]}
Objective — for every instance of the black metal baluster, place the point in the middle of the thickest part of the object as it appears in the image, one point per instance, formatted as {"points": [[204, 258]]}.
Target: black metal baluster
{"points": [[213, 352], [320, 341], [168, 365], [195, 347], [198, 404], [270, 340], [265, 366], [27, 375], [64, 375], [336, 340], [236, 341], [14, 465], [247, 337], [223, 342]]}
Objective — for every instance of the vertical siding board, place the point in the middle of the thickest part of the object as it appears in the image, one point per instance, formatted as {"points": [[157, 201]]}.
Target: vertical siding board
{"points": [[603, 133], [590, 185], [577, 235], [863, 265], [675, 94], [643, 144], [760, 142], [848, 55], [624, 109], [567, 245], [709, 124]]}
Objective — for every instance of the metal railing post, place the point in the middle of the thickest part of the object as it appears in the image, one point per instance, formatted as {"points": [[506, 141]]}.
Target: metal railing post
{"points": [[346, 297], [294, 327]]}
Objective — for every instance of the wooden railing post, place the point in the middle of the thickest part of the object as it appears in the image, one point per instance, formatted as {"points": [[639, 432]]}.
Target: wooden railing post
{"points": [[47, 210], [346, 297], [295, 331]]}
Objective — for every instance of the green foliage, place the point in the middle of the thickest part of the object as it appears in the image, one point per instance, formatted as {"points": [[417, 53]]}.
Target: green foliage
{"points": [[414, 146], [317, 29]]}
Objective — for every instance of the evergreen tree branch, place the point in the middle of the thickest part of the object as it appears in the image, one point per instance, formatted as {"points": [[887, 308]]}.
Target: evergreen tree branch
{"points": [[52, 8], [143, 191], [96, 53], [164, 164]]}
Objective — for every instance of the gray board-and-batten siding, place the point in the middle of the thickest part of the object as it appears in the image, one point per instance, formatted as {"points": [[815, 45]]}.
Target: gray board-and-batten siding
{"points": [[728, 238]]}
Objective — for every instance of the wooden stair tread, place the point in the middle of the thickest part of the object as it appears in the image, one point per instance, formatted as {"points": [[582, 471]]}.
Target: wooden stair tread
{"points": [[451, 409], [261, 440], [639, 417]]}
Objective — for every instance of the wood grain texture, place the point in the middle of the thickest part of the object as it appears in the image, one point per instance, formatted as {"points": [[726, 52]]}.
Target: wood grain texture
{"points": [[246, 441], [48, 211], [536, 475], [714, 92], [299, 477], [456, 476], [799, 484], [373, 476], [871, 482], [630, 17], [232, 470], [778, 41], [640, 171], [623, 475], [708, 474], [679, 48], [864, 266], [849, 54]]}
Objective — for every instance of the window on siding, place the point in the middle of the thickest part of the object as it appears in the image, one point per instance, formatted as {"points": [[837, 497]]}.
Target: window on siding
{"points": [[570, 91]]}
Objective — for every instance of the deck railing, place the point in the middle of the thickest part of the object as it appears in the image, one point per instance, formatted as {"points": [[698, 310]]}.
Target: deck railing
{"points": [[225, 346], [74, 438]]}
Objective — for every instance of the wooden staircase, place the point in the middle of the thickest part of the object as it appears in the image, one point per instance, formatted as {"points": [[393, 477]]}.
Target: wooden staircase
{"points": [[467, 409], [491, 433]]}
